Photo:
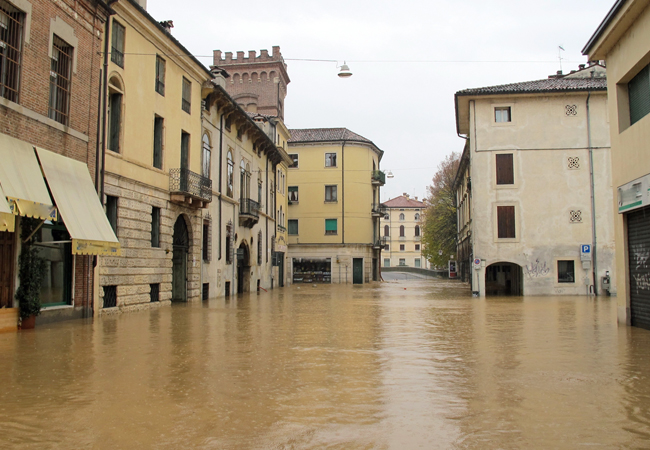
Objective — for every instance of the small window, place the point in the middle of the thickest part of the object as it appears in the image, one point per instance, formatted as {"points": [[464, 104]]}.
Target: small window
{"points": [[111, 211], [187, 95], [206, 291], [401, 231], [160, 75], [207, 239], [158, 123], [117, 44], [401, 216], [293, 194], [566, 272], [154, 292], [417, 262], [331, 226], [639, 95], [60, 81], [11, 35], [417, 230], [330, 193], [330, 159], [293, 227], [417, 247], [417, 217], [505, 172], [110, 296], [506, 222], [387, 247], [386, 262], [402, 261], [294, 159], [386, 217], [401, 247], [502, 114], [155, 227], [386, 230]]}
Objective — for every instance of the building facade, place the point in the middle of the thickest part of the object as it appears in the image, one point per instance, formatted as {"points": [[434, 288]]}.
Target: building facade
{"points": [[334, 212], [401, 231], [538, 174], [623, 41], [51, 61]]}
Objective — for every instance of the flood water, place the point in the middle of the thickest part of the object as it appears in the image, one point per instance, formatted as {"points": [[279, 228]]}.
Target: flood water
{"points": [[397, 365]]}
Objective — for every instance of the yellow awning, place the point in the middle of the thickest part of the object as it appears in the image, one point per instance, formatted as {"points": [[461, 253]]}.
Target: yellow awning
{"points": [[78, 204], [22, 180], [7, 219]]}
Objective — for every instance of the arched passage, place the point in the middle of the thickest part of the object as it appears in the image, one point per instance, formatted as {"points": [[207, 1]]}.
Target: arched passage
{"points": [[503, 278], [243, 268], [181, 242]]}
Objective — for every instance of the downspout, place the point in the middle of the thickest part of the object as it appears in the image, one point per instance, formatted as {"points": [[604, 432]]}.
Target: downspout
{"points": [[343, 194], [593, 199], [220, 177], [266, 207]]}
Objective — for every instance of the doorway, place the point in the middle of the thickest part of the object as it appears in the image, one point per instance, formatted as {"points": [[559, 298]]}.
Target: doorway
{"points": [[181, 242], [7, 264], [357, 270], [503, 279], [243, 268]]}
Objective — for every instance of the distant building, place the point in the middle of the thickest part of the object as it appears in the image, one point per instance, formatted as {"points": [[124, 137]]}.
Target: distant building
{"points": [[533, 186], [623, 41], [334, 212], [401, 231]]}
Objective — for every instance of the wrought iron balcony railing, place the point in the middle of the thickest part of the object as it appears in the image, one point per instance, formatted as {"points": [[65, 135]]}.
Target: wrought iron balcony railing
{"points": [[379, 209], [187, 182], [378, 177], [249, 207]]}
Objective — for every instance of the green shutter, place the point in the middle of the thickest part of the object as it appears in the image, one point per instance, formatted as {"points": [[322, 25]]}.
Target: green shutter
{"points": [[330, 224], [293, 226], [639, 95]]}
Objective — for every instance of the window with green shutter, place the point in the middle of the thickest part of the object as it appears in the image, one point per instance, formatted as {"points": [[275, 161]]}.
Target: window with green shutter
{"points": [[293, 227], [157, 141], [331, 226], [639, 95]]}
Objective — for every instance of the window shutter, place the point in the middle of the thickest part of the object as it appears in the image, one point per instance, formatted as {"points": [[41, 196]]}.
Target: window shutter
{"points": [[506, 221], [505, 172], [330, 224], [639, 95], [116, 117], [157, 142]]}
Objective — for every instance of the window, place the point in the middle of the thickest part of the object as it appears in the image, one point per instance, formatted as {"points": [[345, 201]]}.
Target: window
{"points": [[293, 227], [187, 95], [154, 292], [638, 90], [206, 291], [402, 261], [330, 159], [155, 227], [417, 262], [111, 211], [244, 180], [206, 157], [160, 75], [110, 296], [158, 123], [259, 192], [505, 172], [386, 262], [386, 217], [294, 158], [506, 222], [230, 175], [566, 272], [401, 247], [331, 226], [259, 249], [417, 230], [207, 238], [386, 230], [228, 123], [11, 36], [117, 44], [60, 79], [401, 231], [417, 247], [114, 120], [417, 216], [387, 247], [502, 114], [229, 244], [330, 193], [293, 194], [401, 216]]}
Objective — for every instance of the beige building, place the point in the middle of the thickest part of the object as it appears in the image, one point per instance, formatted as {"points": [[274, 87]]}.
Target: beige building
{"points": [[623, 41], [534, 185], [334, 212], [401, 231]]}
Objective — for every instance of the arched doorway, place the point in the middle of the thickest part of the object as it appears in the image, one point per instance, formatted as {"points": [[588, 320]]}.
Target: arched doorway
{"points": [[181, 242], [243, 268], [503, 278]]}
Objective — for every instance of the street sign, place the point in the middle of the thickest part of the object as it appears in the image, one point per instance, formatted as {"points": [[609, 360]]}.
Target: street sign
{"points": [[452, 269], [477, 262], [585, 252]]}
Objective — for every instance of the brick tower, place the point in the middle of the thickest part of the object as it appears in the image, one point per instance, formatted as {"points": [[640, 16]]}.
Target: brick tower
{"points": [[257, 83]]}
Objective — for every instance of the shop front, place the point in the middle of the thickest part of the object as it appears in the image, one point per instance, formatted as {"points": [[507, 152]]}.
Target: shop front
{"points": [[312, 270]]}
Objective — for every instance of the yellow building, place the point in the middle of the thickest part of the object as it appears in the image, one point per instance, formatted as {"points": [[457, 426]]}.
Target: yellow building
{"points": [[401, 229], [334, 214], [156, 175], [623, 41]]}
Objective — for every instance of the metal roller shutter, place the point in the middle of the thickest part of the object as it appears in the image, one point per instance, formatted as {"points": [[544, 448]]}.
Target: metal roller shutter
{"points": [[638, 234]]}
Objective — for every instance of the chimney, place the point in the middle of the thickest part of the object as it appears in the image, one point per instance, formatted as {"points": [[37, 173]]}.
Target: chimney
{"points": [[416, 198], [167, 25], [581, 66]]}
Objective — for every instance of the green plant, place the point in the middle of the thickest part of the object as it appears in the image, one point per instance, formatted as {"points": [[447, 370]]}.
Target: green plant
{"points": [[31, 270]]}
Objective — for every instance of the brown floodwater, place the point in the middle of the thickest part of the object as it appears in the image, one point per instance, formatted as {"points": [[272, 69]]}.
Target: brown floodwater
{"points": [[396, 365]]}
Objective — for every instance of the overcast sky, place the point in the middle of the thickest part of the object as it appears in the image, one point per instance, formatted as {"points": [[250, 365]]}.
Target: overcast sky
{"points": [[408, 58]]}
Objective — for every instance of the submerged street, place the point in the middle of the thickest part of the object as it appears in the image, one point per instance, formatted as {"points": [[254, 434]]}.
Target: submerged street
{"points": [[395, 365]]}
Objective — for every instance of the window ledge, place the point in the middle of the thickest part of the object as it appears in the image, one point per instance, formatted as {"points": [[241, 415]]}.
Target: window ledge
{"points": [[53, 308]]}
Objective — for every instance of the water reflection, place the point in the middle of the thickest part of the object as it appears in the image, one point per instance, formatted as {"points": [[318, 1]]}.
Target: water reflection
{"points": [[405, 364]]}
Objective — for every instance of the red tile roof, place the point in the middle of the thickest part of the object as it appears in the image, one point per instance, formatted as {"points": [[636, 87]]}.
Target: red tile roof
{"points": [[547, 85], [404, 202], [325, 135]]}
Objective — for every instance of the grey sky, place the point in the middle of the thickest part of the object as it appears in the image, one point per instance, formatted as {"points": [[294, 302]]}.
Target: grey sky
{"points": [[405, 108]]}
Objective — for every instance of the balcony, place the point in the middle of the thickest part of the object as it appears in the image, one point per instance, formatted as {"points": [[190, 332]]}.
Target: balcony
{"points": [[378, 178], [281, 229], [378, 210], [189, 189], [249, 213]]}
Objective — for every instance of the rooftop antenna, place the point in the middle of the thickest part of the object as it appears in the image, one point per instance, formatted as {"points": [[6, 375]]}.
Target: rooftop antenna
{"points": [[560, 49]]}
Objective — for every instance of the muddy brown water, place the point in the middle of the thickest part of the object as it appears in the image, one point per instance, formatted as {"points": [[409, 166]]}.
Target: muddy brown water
{"points": [[396, 365]]}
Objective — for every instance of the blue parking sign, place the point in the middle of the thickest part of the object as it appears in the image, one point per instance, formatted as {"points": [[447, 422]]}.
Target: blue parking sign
{"points": [[586, 248]]}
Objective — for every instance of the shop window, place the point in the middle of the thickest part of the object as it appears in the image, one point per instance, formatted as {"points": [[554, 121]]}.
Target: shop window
{"points": [[331, 226], [11, 35], [55, 247], [505, 170], [293, 227], [155, 226], [330, 159], [316, 270], [160, 75], [117, 43], [60, 81], [566, 271]]}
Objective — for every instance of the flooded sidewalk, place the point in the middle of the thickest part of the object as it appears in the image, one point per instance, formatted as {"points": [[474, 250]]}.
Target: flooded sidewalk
{"points": [[394, 365]]}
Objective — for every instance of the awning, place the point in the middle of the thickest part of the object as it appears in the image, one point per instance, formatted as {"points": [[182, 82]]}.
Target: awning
{"points": [[78, 204], [22, 181], [7, 219]]}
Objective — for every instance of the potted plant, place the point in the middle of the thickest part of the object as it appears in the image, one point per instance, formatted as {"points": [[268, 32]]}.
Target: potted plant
{"points": [[31, 270]]}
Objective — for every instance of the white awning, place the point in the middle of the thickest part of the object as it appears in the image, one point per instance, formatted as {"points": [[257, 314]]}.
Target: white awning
{"points": [[22, 181], [7, 219], [78, 204]]}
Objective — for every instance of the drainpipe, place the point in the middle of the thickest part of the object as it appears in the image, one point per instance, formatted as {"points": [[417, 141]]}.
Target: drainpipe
{"points": [[220, 177], [343, 194], [593, 199]]}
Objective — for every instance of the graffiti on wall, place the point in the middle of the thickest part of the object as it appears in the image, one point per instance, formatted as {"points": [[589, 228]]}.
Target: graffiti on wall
{"points": [[639, 257], [537, 269]]}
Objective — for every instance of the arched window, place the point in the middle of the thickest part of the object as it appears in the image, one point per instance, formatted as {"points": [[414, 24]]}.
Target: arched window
{"points": [[386, 230], [417, 216], [401, 216], [417, 230], [115, 91], [230, 181], [401, 231], [207, 151]]}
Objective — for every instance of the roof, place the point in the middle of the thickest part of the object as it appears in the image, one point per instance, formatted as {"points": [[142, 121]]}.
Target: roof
{"points": [[404, 202], [538, 86], [603, 25], [325, 135]]}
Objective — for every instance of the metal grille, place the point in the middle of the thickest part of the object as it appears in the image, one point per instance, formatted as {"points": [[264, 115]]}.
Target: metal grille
{"points": [[110, 296], [573, 162], [60, 80], [11, 37], [117, 44], [638, 235], [188, 182], [249, 206], [154, 292], [259, 248], [575, 216], [207, 238], [571, 110]]}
